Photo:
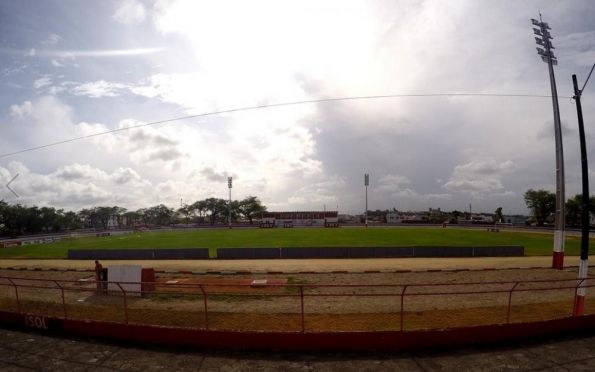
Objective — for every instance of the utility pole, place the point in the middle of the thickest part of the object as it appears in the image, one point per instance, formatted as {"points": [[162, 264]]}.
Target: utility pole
{"points": [[581, 291], [229, 186], [544, 49], [366, 184]]}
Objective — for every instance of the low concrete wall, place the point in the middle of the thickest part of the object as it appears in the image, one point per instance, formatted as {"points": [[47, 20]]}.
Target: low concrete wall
{"points": [[236, 253], [138, 254], [299, 341], [368, 252], [248, 253]]}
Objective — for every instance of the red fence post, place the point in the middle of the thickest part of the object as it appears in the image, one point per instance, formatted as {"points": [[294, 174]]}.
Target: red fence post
{"points": [[204, 293], [125, 303], [63, 300], [302, 307], [16, 293], [574, 309], [402, 305], [510, 302]]}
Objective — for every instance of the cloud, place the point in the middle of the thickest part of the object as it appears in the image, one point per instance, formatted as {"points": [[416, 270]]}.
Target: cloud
{"points": [[42, 82], [77, 186], [52, 39], [97, 89], [311, 155], [98, 53], [48, 120], [547, 131], [22, 110], [130, 12], [79, 172], [212, 175], [479, 177]]}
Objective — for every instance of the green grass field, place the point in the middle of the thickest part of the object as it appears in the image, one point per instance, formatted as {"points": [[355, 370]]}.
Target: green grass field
{"points": [[535, 243]]}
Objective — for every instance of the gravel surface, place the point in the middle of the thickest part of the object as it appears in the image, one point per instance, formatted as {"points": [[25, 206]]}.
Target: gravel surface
{"points": [[25, 351]]}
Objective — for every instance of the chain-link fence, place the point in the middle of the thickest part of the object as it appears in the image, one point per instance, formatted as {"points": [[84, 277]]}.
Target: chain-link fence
{"points": [[295, 307]]}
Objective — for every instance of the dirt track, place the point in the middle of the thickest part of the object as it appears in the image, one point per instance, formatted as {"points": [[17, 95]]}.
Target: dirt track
{"points": [[315, 265], [230, 308]]}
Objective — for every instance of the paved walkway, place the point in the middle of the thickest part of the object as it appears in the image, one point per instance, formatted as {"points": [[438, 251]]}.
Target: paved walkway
{"points": [[23, 351], [297, 265]]}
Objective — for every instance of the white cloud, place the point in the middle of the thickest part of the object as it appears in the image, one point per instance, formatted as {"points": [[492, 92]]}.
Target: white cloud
{"points": [[52, 39], [22, 110], [307, 156], [42, 82], [91, 53], [77, 186], [130, 12], [97, 89], [479, 177]]}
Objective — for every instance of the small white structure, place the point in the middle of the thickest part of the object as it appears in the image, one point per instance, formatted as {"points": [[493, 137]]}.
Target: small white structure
{"points": [[127, 276]]}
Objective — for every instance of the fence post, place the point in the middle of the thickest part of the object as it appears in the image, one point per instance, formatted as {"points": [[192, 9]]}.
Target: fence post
{"points": [[125, 303], [302, 307], [579, 283], [510, 302], [402, 305], [63, 301], [16, 292], [204, 293]]}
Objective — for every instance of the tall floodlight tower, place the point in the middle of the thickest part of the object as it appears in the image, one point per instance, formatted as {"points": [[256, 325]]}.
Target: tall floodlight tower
{"points": [[229, 187], [545, 50], [366, 184]]}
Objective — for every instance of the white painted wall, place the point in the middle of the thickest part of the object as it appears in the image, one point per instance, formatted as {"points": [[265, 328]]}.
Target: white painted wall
{"points": [[125, 273]]}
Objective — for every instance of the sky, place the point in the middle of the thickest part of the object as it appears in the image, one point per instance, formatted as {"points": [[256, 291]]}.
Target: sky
{"points": [[72, 68]]}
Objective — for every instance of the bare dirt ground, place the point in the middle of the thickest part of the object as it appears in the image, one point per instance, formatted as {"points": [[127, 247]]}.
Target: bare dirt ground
{"points": [[317, 265], [331, 302]]}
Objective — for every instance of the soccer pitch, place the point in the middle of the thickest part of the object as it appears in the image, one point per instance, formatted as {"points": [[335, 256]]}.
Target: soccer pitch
{"points": [[535, 243]]}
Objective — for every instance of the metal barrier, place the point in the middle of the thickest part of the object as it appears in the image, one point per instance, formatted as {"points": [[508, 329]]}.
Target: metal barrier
{"points": [[296, 307]]}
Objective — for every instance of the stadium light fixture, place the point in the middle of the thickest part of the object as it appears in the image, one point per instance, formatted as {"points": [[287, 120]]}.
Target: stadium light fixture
{"points": [[545, 51]]}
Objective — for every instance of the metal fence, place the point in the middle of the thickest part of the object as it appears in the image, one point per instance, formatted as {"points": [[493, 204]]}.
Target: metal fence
{"points": [[295, 307]]}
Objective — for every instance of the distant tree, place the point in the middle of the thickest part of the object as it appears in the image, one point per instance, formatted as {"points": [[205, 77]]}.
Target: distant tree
{"points": [[198, 208], [70, 221], [84, 216], [456, 214], [498, 217], [5, 218], [131, 218], [250, 207], [159, 215], [185, 211], [574, 209], [542, 204], [215, 209], [102, 216]]}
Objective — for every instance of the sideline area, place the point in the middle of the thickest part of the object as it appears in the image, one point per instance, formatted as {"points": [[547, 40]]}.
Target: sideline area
{"points": [[302, 265], [26, 351]]}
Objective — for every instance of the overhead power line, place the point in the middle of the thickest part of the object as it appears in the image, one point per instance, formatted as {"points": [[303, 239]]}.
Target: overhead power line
{"points": [[271, 105]]}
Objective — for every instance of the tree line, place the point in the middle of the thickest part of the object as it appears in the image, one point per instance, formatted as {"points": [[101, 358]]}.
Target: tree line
{"points": [[542, 204], [18, 219]]}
